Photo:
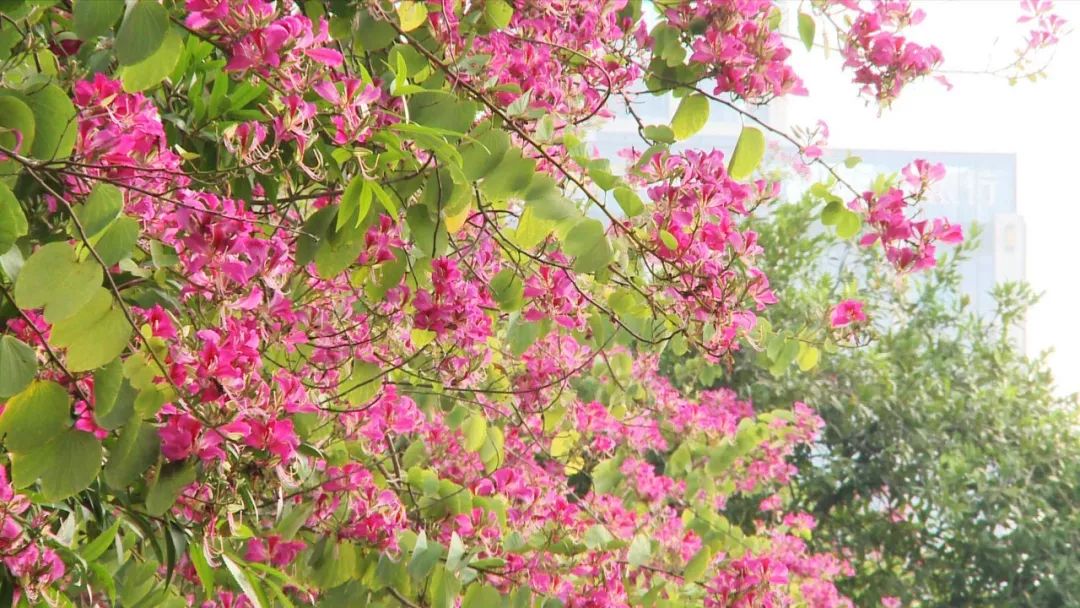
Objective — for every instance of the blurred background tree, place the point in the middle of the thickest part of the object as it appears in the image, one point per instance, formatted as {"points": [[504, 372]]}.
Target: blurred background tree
{"points": [[948, 467]]}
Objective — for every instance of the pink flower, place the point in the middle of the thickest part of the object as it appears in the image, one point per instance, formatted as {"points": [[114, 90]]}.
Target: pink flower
{"points": [[847, 312], [889, 601]]}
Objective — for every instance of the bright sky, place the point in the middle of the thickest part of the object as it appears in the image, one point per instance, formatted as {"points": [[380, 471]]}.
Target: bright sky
{"points": [[1038, 122]]}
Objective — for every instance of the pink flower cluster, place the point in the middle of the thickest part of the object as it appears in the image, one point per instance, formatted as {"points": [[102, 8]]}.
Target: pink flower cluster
{"points": [[910, 244], [454, 306], [260, 42], [741, 50], [883, 60], [562, 56], [33, 565], [1047, 26], [700, 251]]}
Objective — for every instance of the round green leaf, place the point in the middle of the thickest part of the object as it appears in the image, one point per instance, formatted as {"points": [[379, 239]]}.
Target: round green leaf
{"points": [[411, 14], [498, 13], [589, 245], [18, 364], [142, 32], [52, 278], [12, 219], [107, 383], [481, 597], [66, 465], [512, 175], [475, 432], [508, 289], [93, 336], [93, 18], [547, 201], [133, 453], [695, 569], [691, 116], [749, 151], [171, 479], [55, 124], [35, 416], [100, 208], [480, 157], [15, 117], [118, 240], [149, 72], [629, 201]]}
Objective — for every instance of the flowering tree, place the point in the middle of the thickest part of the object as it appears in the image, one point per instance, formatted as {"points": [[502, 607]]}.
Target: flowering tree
{"points": [[946, 469], [329, 302]]}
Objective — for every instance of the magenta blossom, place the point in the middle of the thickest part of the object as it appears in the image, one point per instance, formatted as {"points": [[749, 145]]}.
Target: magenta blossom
{"points": [[847, 312]]}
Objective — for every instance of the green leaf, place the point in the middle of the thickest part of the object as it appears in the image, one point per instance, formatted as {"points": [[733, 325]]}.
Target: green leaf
{"points": [[498, 13], [589, 246], [807, 28], [355, 202], [640, 551], [52, 278], [118, 241], [808, 357], [475, 432], [12, 219], [830, 215], [134, 452], [95, 548], [142, 32], [66, 465], [202, 568], [547, 201], [597, 537], [512, 176], [112, 414], [424, 557], [508, 289], [35, 416], [384, 199], [480, 157], [429, 237], [314, 234], [93, 18], [171, 479], [691, 116], [94, 335], [660, 133], [363, 383], [18, 365], [695, 569], [521, 335], [749, 151], [107, 383], [101, 207], [411, 15], [15, 116], [448, 113], [55, 123], [444, 588], [149, 72], [629, 201], [481, 596], [848, 224], [338, 250], [247, 585]]}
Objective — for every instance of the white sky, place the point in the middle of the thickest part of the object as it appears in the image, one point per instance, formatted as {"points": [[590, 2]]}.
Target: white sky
{"points": [[1038, 122]]}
